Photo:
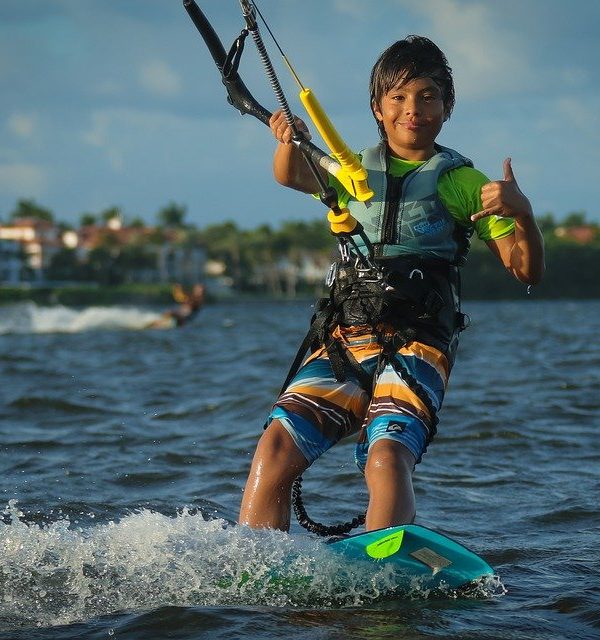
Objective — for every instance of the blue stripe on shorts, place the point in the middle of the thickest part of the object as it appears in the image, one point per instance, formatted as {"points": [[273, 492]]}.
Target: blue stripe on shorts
{"points": [[311, 442], [406, 430]]}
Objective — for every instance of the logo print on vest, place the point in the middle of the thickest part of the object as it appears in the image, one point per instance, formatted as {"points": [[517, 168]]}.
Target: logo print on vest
{"points": [[430, 226]]}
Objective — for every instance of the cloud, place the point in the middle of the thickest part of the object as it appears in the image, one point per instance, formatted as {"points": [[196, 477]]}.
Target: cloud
{"points": [[159, 78], [101, 136], [108, 88], [20, 178], [487, 58], [354, 8], [577, 117], [22, 125], [121, 133], [578, 114]]}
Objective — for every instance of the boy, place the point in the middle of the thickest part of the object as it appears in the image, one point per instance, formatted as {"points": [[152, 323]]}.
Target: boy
{"points": [[388, 344]]}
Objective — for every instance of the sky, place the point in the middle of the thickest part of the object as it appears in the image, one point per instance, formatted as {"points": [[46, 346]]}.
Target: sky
{"points": [[117, 103]]}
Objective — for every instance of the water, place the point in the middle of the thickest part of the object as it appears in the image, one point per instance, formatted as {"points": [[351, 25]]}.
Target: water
{"points": [[123, 454]]}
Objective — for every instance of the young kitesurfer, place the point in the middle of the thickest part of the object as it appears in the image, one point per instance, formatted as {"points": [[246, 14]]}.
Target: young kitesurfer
{"points": [[384, 342]]}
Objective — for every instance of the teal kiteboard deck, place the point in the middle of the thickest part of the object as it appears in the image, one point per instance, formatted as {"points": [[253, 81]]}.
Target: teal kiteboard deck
{"points": [[417, 553]]}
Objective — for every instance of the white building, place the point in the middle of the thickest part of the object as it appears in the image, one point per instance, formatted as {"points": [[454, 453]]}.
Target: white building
{"points": [[38, 239]]}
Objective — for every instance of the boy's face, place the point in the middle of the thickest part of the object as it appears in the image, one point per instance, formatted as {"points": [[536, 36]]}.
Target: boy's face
{"points": [[412, 115]]}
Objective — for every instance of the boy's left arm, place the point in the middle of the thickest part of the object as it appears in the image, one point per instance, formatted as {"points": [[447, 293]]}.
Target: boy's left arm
{"points": [[522, 252]]}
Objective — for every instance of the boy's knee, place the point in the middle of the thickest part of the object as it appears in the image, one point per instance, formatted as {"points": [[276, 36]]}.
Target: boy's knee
{"points": [[276, 440], [386, 455], [278, 451]]}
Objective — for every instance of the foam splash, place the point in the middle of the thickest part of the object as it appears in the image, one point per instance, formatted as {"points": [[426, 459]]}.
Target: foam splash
{"points": [[31, 318], [59, 573]]}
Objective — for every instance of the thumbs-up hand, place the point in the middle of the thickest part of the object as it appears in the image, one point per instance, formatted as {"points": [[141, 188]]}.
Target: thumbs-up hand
{"points": [[503, 198]]}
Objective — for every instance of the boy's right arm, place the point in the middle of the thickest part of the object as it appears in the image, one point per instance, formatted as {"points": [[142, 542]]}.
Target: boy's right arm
{"points": [[289, 166]]}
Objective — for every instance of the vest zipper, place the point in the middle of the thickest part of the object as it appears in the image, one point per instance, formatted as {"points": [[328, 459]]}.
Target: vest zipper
{"points": [[392, 203]]}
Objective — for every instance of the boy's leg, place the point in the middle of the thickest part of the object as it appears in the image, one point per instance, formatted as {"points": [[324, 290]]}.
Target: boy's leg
{"points": [[388, 473], [313, 413], [266, 502], [396, 432]]}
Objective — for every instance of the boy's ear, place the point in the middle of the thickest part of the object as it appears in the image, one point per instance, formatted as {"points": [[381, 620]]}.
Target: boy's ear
{"points": [[376, 111]]}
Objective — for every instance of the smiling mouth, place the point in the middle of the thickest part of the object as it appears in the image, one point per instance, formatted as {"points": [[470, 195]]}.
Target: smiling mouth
{"points": [[412, 126]]}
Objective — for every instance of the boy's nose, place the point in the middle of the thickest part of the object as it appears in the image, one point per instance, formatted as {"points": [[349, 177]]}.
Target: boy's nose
{"points": [[411, 106]]}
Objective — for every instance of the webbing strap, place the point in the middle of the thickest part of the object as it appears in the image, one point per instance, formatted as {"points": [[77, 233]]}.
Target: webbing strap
{"points": [[317, 330], [343, 362]]}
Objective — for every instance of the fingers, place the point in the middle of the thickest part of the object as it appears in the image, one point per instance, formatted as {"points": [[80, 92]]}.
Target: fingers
{"points": [[492, 200], [282, 130], [280, 127], [491, 194], [485, 213], [495, 194]]}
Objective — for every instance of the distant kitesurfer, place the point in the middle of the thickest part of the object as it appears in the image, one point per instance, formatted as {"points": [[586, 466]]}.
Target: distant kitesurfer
{"points": [[383, 343], [189, 303]]}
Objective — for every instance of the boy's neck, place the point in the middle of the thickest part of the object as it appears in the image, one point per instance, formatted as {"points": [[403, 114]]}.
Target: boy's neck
{"points": [[411, 155]]}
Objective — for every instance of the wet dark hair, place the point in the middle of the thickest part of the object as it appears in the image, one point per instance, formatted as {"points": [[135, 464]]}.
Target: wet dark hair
{"points": [[409, 59]]}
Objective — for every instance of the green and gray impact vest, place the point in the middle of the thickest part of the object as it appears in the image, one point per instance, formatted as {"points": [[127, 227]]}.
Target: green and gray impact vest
{"points": [[406, 215]]}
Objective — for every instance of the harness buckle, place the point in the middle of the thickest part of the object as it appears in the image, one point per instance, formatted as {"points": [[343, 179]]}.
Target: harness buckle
{"points": [[367, 274], [417, 272], [331, 274], [344, 250], [464, 321]]}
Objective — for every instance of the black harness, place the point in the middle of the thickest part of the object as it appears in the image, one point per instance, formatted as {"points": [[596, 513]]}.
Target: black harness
{"points": [[401, 299]]}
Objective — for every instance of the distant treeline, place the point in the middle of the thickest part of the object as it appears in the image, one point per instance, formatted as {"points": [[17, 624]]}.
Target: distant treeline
{"points": [[253, 259], [571, 272], [291, 260]]}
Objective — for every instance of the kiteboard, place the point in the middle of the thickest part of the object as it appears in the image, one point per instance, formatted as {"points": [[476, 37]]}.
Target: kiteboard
{"points": [[410, 559], [418, 554]]}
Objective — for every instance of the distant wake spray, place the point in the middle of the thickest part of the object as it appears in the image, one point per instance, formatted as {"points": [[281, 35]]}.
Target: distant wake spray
{"points": [[30, 318]]}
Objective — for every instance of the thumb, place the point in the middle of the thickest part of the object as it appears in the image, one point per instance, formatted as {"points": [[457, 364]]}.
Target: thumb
{"points": [[509, 176]]}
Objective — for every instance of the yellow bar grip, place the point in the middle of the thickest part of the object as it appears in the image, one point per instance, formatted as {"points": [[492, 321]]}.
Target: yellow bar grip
{"points": [[342, 222], [355, 175]]}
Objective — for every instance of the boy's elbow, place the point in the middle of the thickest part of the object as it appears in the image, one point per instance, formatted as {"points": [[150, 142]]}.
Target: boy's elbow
{"points": [[531, 276], [281, 178], [285, 176]]}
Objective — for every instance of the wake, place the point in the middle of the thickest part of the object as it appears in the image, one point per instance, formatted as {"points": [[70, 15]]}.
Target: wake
{"points": [[30, 318], [63, 572]]}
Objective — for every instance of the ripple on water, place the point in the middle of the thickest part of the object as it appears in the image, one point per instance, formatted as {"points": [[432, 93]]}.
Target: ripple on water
{"points": [[49, 403]]}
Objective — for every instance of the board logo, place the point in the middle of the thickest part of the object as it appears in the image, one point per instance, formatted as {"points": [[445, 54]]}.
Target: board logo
{"points": [[396, 427]]}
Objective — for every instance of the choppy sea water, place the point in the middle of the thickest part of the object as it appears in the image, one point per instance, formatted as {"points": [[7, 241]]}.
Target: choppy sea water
{"points": [[123, 453]]}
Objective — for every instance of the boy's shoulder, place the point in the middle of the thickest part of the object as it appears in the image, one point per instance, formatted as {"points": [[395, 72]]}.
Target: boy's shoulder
{"points": [[467, 177]]}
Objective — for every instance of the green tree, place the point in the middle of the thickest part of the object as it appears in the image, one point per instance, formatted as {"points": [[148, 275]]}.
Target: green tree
{"points": [[29, 209], [137, 223], [259, 252], [133, 260], [64, 265], [87, 219], [575, 219], [111, 213], [101, 266], [311, 237], [546, 223], [172, 215], [224, 242]]}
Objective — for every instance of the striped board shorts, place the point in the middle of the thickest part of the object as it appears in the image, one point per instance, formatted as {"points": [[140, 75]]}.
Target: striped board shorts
{"points": [[317, 410]]}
